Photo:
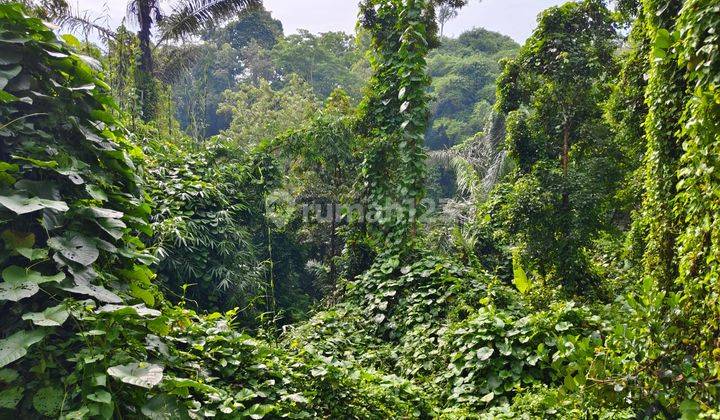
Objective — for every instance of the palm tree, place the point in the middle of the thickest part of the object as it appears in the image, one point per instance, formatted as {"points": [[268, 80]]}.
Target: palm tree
{"points": [[186, 19]]}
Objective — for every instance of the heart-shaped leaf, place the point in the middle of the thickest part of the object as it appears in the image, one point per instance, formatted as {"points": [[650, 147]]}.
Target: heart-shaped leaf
{"points": [[22, 205], [48, 400], [78, 249], [139, 374], [50, 317], [15, 346]]}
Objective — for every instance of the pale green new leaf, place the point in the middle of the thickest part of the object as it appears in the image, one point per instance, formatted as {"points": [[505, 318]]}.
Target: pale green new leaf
{"points": [[484, 353], [144, 375], [50, 317], [519, 277], [22, 205]]}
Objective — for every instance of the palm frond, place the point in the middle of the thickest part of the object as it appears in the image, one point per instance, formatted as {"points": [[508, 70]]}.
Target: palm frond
{"points": [[479, 163], [193, 15], [467, 178], [75, 21]]}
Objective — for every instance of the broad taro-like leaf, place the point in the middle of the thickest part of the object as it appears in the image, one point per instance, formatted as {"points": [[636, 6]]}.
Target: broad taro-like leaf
{"points": [[114, 227], [83, 286], [144, 375], [17, 291], [48, 400], [8, 57], [15, 346], [258, 411], [6, 75], [22, 205], [50, 317], [102, 397], [519, 277], [106, 213], [79, 249], [48, 190], [98, 292], [15, 274], [21, 283], [96, 192]]}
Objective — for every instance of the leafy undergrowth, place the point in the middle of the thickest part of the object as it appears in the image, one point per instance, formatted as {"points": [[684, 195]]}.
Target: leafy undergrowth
{"points": [[85, 332], [473, 344]]}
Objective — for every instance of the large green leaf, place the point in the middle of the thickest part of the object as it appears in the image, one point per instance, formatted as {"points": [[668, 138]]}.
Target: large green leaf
{"points": [[79, 249], [9, 398], [98, 292], [102, 397], [106, 213], [8, 56], [17, 291], [21, 283], [139, 374], [33, 254], [48, 400], [50, 317], [15, 346], [14, 239], [83, 286], [484, 353], [163, 407], [6, 75], [15, 274], [22, 205]]}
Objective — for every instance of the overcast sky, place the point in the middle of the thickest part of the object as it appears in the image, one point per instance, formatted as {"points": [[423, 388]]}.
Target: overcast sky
{"points": [[516, 18]]}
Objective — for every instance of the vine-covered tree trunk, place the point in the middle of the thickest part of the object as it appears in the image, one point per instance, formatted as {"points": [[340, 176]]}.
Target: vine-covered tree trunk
{"points": [[698, 201], [395, 115], [665, 97], [682, 202]]}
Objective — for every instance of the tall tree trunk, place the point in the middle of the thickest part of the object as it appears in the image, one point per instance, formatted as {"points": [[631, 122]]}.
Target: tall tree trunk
{"points": [[145, 81], [145, 21]]}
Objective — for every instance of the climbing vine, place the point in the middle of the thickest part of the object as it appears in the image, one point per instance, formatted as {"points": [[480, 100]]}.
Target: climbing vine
{"points": [[71, 210], [394, 114]]}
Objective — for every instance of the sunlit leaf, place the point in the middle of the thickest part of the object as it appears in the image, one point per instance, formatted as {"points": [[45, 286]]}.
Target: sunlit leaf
{"points": [[144, 375]]}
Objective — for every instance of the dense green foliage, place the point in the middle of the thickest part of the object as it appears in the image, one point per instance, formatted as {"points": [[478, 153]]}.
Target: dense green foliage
{"points": [[463, 72], [574, 273], [73, 265]]}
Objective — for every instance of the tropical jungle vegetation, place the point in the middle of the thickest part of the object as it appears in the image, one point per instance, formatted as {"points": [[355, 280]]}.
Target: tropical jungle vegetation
{"points": [[207, 217]]}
